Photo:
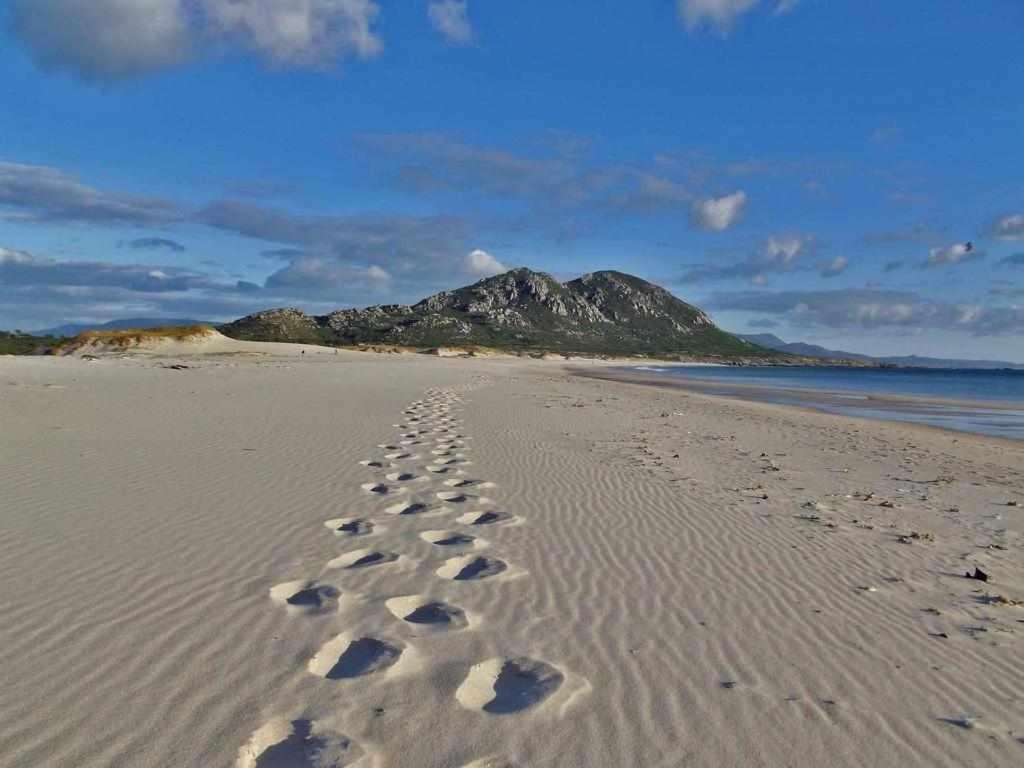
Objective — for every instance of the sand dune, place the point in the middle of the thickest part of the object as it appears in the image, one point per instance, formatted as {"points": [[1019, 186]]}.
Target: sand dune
{"points": [[243, 564]]}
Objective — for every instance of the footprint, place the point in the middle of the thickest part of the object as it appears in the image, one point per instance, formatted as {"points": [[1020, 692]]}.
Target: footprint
{"points": [[439, 470], [485, 518], [373, 464], [305, 596], [400, 456], [471, 568], [381, 489], [297, 744], [506, 686], [344, 657], [434, 613], [400, 477], [362, 558], [350, 526], [468, 483], [453, 497], [452, 539], [407, 508]]}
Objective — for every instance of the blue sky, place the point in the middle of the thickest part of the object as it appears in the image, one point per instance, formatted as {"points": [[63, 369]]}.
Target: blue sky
{"points": [[838, 172]]}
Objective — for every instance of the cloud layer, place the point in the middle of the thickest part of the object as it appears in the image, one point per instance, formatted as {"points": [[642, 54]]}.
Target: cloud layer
{"points": [[951, 255], [560, 185], [41, 193], [116, 39], [873, 309], [778, 254], [1010, 227]]}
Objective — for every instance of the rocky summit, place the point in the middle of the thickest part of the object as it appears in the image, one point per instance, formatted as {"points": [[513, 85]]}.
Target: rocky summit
{"points": [[602, 313]]}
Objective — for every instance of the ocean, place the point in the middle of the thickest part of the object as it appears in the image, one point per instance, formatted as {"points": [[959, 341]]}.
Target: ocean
{"points": [[989, 402]]}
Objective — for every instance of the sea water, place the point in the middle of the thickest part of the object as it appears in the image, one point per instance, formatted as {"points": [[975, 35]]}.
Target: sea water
{"points": [[986, 400]]}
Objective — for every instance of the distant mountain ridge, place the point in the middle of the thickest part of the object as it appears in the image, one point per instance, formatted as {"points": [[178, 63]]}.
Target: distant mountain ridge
{"points": [[140, 323], [604, 313], [771, 341]]}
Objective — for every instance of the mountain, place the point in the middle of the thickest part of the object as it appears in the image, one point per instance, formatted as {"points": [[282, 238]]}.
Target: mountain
{"points": [[608, 313], [771, 341], [73, 329]]}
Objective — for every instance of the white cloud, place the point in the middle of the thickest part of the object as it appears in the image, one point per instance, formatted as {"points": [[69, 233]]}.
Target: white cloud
{"points": [[103, 39], [720, 14], [713, 13], [450, 18], [1010, 227], [953, 255], [8, 256], [835, 267], [782, 253], [297, 32], [718, 213], [112, 39], [484, 264], [377, 274]]}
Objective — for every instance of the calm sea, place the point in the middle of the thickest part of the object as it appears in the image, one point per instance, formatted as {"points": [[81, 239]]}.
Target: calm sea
{"points": [[863, 391]]}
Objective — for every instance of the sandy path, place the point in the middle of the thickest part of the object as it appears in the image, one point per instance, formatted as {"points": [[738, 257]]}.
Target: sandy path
{"points": [[378, 561]]}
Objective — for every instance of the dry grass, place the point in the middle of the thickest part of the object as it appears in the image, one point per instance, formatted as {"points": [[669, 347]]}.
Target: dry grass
{"points": [[132, 336]]}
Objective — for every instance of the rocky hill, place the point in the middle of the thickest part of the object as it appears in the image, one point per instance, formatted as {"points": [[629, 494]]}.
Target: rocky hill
{"points": [[603, 313]]}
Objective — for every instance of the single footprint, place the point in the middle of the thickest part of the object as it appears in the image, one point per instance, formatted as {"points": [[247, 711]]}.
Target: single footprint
{"points": [[372, 464], [346, 657], [452, 539], [506, 686], [452, 497], [380, 489], [407, 508], [439, 470], [362, 558], [471, 568], [297, 744], [434, 613], [400, 477], [460, 482], [399, 456], [350, 526], [305, 596], [484, 518]]}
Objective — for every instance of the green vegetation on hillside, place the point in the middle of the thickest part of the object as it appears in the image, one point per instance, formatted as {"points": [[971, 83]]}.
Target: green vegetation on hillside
{"points": [[18, 343]]}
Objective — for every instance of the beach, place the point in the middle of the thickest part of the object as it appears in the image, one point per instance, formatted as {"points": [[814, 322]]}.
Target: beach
{"points": [[285, 556]]}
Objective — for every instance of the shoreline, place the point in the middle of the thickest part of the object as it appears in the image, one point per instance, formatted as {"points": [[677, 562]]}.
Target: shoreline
{"points": [[843, 404]]}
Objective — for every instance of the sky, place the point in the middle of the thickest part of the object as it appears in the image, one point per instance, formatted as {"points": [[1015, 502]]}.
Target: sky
{"points": [[832, 171]]}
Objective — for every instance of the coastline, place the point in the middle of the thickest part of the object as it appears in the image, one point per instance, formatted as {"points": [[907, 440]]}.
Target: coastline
{"points": [[824, 400]]}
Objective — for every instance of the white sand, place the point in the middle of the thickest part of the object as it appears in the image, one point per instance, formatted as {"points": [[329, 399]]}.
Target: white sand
{"points": [[263, 562]]}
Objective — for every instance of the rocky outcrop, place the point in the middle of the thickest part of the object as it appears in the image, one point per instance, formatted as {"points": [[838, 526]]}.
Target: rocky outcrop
{"points": [[608, 313], [287, 324]]}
